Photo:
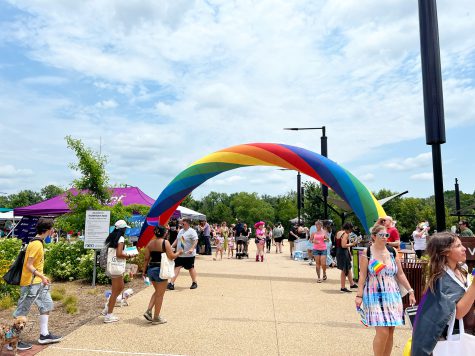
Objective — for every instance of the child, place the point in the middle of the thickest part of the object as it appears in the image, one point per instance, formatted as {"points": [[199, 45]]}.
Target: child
{"points": [[219, 246], [231, 246]]}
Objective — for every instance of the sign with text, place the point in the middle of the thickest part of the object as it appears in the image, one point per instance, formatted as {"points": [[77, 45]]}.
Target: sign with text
{"points": [[97, 228]]}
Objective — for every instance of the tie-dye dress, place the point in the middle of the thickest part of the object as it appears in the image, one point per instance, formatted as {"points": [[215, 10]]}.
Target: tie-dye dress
{"points": [[381, 296]]}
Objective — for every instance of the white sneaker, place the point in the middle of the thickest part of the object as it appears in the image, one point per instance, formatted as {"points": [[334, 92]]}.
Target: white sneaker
{"points": [[104, 311], [111, 318], [158, 321]]}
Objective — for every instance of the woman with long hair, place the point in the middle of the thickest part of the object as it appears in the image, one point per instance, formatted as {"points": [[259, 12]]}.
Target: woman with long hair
{"points": [[260, 240], [343, 257], [380, 272], [448, 294], [319, 250], [151, 268], [116, 240]]}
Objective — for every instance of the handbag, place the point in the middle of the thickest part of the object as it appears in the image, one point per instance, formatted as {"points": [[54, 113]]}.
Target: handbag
{"points": [[13, 275], [115, 266], [167, 266], [462, 344]]}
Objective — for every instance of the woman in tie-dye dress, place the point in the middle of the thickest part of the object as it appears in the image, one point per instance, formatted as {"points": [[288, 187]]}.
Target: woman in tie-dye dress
{"points": [[378, 292]]}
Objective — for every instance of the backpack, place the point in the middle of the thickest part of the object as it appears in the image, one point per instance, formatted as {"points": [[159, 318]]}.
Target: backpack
{"points": [[13, 275], [103, 256]]}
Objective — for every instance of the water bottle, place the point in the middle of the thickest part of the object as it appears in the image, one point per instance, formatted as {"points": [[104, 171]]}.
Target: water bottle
{"points": [[146, 280]]}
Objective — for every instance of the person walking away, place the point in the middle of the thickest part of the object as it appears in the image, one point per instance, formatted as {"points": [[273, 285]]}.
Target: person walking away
{"points": [[465, 229], [260, 240], [343, 257], [116, 240], [278, 233], [186, 241], [151, 268], [293, 235], [380, 272], [34, 285], [268, 238], [420, 236], [320, 250], [206, 229], [448, 294]]}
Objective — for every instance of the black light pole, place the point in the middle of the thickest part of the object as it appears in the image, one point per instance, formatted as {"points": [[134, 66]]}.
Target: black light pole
{"points": [[324, 153], [299, 196], [433, 99], [457, 199]]}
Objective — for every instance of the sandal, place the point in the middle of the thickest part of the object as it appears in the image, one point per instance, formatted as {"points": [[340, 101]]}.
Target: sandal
{"points": [[319, 280], [324, 277]]}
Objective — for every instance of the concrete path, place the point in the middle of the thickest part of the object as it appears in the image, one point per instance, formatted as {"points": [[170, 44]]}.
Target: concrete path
{"points": [[241, 307]]}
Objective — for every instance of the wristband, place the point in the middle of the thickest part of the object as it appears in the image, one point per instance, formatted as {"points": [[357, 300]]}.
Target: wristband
{"points": [[34, 271], [410, 291]]}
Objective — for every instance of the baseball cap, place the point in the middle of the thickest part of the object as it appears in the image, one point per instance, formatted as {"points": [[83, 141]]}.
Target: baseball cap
{"points": [[120, 224]]}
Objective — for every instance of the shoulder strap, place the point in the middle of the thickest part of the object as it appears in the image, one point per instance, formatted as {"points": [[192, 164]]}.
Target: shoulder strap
{"points": [[368, 252], [163, 246], [391, 250]]}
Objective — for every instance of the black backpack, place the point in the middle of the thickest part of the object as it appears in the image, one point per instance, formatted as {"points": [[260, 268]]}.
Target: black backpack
{"points": [[103, 256], [13, 276]]}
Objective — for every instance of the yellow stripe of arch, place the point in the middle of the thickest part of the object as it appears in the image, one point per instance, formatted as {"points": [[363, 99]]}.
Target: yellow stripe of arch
{"points": [[230, 157]]}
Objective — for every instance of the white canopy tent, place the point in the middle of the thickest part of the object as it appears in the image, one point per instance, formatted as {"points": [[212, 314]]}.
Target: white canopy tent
{"points": [[9, 216], [191, 214]]}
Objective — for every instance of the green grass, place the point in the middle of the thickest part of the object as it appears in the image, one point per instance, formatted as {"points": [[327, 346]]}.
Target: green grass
{"points": [[58, 294]]}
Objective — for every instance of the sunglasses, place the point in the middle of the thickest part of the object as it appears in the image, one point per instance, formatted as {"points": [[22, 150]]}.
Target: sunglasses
{"points": [[382, 235]]}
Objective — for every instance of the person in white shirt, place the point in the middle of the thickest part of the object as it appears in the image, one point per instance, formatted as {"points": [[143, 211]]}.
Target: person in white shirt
{"points": [[186, 240], [420, 237]]}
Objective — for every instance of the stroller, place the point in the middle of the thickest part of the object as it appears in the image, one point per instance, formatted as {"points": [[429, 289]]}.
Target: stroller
{"points": [[241, 247]]}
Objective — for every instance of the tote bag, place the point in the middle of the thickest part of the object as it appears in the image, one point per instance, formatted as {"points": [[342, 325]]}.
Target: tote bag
{"points": [[462, 344], [167, 267], [115, 266]]}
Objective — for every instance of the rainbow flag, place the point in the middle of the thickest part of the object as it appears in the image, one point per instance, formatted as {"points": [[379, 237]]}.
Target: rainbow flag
{"points": [[377, 266]]}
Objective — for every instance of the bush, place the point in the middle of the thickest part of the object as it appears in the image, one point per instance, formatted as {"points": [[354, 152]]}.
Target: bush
{"points": [[139, 259], [70, 303], [9, 248], [62, 260], [6, 302], [7, 290], [58, 294]]}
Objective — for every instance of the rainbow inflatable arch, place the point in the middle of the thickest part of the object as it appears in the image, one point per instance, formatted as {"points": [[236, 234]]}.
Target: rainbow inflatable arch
{"points": [[347, 186]]}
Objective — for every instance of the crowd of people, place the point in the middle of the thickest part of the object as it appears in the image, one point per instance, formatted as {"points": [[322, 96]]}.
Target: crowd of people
{"points": [[378, 294]]}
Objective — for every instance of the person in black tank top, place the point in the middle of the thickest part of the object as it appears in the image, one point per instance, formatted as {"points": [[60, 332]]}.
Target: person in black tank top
{"points": [[151, 268]]}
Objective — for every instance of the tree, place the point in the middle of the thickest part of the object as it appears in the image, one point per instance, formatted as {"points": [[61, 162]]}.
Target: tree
{"points": [[23, 198], [92, 167], [50, 191]]}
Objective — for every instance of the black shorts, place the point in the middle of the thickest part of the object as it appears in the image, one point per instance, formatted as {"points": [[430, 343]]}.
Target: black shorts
{"points": [[278, 239], [185, 262]]}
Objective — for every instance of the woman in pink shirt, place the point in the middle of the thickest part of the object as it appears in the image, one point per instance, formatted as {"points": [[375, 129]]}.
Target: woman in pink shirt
{"points": [[320, 250]]}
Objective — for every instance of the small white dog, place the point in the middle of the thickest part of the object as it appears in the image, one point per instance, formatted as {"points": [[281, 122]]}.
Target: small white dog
{"points": [[122, 299]]}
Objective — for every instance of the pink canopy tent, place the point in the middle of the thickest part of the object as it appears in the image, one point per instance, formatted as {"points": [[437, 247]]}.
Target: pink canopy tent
{"points": [[57, 205]]}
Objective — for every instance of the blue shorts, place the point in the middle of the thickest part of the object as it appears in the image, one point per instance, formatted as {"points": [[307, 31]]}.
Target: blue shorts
{"points": [[319, 252], [35, 293], [154, 274]]}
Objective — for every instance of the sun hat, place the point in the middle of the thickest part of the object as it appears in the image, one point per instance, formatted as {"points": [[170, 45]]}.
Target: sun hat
{"points": [[120, 224], [259, 223]]}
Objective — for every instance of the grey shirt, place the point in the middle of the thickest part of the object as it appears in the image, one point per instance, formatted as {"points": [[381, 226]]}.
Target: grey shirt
{"points": [[185, 241]]}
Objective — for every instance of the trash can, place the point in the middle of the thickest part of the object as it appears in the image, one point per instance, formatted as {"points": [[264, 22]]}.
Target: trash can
{"points": [[415, 272]]}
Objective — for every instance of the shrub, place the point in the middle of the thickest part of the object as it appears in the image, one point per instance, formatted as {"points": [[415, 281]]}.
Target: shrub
{"points": [[7, 290], [86, 269], [139, 259], [9, 248], [70, 303], [6, 302], [57, 294], [62, 260]]}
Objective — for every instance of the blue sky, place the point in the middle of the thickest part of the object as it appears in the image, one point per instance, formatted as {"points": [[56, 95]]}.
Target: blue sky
{"points": [[161, 84]]}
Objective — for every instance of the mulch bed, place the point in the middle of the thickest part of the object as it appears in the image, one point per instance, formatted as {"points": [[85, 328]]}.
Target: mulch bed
{"points": [[90, 303]]}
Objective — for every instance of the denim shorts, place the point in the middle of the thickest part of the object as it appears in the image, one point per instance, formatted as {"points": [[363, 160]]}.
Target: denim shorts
{"points": [[27, 297], [154, 274], [319, 252]]}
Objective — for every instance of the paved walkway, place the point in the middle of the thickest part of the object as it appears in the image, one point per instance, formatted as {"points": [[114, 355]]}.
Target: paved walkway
{"points": [[241, 307]]}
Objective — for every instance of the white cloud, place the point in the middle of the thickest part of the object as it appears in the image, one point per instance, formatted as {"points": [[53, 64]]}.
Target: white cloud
{"points": [[107, 104], [193, 77], [420, 161], [422, 176]]}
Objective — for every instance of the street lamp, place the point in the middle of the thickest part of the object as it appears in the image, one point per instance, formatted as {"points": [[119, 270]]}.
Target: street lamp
{"points": [[324, 153]]}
